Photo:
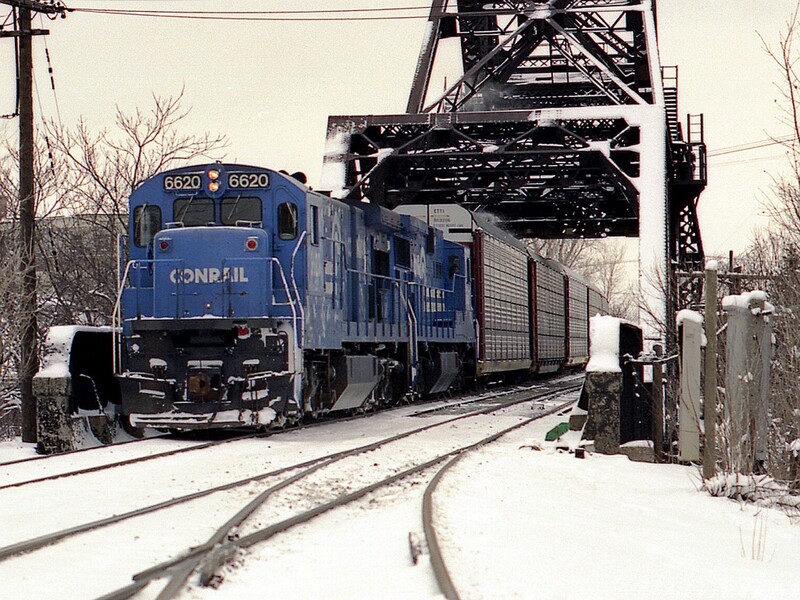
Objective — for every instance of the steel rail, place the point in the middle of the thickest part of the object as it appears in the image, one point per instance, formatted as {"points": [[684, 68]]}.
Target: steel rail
{"points": [[311, 466], [443, 578], [487, 397], [198, 446], [322, 420], [79, 451], [215, 552], [130, 461]]}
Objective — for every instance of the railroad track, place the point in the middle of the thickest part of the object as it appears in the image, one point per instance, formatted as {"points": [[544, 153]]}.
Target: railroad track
{"points": [[24, 465], [148, 454], [207, 558], [179, 570], [443, 577], [45, 457]]}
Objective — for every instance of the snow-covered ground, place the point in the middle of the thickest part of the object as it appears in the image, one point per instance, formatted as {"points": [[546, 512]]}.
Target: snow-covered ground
{"points": [[514, 522]]}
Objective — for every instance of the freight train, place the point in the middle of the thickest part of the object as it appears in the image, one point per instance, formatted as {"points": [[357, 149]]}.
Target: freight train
{"points": [[247, 299]]}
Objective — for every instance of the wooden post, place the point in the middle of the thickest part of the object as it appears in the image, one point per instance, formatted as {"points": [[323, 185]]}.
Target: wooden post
{"points": [[658, 404], [710, 384]]}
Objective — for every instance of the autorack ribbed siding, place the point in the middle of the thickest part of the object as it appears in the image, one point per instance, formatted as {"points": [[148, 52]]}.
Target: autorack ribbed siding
{"points": [[551, 316], [501, 285]]}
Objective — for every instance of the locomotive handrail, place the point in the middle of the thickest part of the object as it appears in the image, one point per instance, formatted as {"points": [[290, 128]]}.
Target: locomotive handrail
{"points": [[294, 283], [413, 333], [297, 357], [289, 301], [116, 318], [397, 280], [121, 243]]}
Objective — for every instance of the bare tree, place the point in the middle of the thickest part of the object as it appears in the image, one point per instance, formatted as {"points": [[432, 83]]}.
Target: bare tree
{"points": [[602, 262], [11, 325], [96, 174], [570, 252], [775, 254], [83, 180], [607, 268]]}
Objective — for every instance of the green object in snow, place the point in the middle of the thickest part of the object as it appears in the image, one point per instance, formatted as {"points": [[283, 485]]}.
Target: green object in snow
{"points": [[556, 432]]}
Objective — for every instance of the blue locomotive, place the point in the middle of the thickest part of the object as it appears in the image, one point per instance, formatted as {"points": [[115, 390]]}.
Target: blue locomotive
{"points": [[248, 299]]}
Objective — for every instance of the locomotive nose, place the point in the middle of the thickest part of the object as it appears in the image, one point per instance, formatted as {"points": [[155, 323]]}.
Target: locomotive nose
{"points": [[211, 271]]}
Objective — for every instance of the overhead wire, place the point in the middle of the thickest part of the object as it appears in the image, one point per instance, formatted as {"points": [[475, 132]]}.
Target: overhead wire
{"points": [[50, 72], [751, 146], [15, 112], [50, 152], [312, 15], [324, 15]]}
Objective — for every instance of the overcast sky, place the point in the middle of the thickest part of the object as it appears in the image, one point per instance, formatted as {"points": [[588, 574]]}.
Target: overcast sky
{"points": [[270, 86]]}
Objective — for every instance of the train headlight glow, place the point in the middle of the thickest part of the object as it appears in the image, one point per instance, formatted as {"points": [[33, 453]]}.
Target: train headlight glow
{"points": [[213, 180]]}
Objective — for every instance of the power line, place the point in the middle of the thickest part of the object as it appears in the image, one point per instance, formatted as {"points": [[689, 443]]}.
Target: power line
{"points": [[749, 160], [312, 15], [751, 146], [315, 11]]}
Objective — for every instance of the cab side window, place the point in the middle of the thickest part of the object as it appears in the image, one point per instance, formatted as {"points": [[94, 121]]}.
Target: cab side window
{"points": [[313, 233], [146, 224], [287, 221]]}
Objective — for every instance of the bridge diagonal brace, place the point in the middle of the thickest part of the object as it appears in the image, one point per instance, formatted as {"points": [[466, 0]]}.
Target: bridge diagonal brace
{"points": [[598, 63], [475, 71]]}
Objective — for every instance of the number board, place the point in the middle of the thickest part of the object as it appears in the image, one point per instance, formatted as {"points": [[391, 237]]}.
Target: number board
{"points": [[248, 181], [187, 181]]}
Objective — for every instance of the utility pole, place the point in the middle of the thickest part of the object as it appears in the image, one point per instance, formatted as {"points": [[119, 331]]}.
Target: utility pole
{"points": [[29, 353]]}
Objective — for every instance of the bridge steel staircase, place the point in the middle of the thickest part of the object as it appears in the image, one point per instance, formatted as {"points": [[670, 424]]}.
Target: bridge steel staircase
{"points": [[563, 124]]}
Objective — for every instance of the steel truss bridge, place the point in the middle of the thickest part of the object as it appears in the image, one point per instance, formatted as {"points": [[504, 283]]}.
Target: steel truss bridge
{"points": [[563, 124]]}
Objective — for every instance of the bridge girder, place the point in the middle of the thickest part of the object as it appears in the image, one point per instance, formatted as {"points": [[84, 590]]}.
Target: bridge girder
{"points": [[563, 124]]}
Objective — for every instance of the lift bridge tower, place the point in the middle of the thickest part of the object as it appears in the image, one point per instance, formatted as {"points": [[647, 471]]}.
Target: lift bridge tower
{"points": [[563, 124]]}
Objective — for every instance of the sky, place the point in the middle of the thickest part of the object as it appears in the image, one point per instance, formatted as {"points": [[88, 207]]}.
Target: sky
{"points": [[270, 86]]}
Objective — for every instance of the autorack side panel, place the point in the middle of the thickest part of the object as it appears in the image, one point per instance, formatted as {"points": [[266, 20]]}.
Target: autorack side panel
{"points": [[598, 304], [501, 291], [578, 332], [551, 316]]}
